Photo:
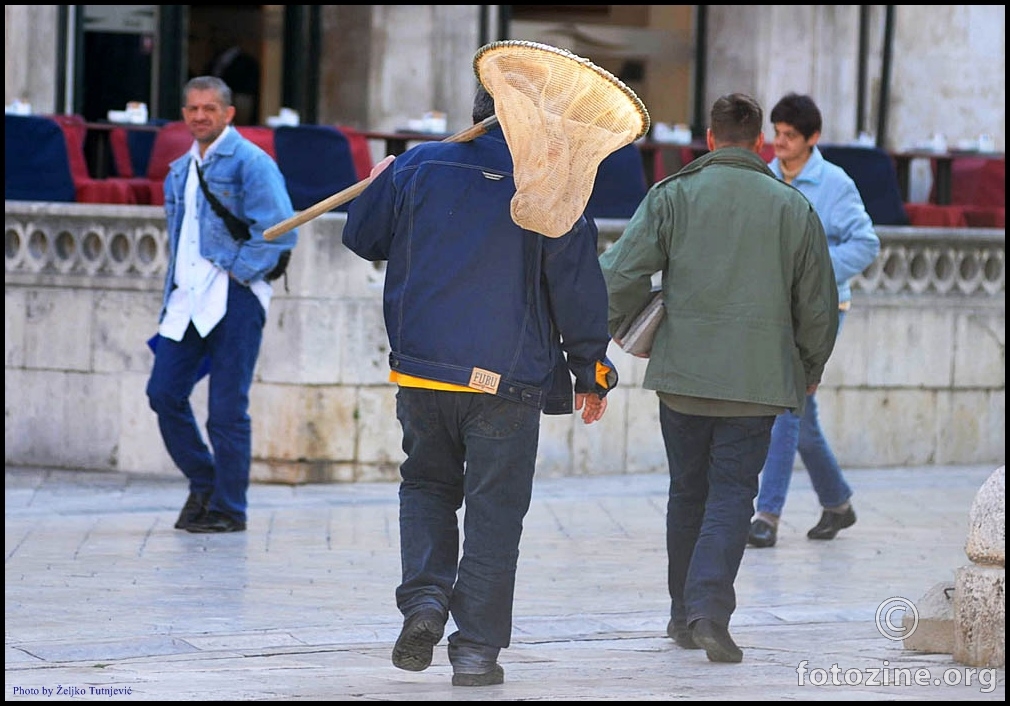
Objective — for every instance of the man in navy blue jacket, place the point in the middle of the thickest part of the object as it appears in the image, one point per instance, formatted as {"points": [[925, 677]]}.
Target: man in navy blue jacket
{"points": [[488, 324]]}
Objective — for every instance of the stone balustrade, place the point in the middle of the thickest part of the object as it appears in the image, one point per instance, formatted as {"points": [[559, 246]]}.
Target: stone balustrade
{"points": [[917, 376]]}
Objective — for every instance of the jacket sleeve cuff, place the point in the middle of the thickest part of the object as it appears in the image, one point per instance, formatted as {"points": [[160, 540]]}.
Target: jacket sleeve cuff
{"points": [[604, 379]]}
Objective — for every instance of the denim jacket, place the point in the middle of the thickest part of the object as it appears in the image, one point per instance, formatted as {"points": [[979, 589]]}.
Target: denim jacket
{"points": [[466, 288], [248, 183]]}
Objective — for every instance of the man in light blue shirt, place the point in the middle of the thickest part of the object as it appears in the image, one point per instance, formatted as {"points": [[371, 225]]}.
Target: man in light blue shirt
{"points": [[853, 245]]}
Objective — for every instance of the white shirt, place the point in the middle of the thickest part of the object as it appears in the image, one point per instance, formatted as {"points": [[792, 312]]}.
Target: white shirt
{"points": [[201, 287]]}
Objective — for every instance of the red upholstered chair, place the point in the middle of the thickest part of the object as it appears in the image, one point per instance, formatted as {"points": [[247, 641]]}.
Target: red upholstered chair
{"points": [[87, 188], [171, 142], [360, 152], [120, 146], [931, 215], [977, 191], [260, 135]]}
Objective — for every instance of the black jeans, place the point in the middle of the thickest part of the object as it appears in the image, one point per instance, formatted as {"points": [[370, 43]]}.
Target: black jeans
{"points": [[479, 449], [714, 467]]}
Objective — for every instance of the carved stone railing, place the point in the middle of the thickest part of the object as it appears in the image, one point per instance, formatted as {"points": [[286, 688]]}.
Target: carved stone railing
{"points": [[918, 376], [958, 262]]}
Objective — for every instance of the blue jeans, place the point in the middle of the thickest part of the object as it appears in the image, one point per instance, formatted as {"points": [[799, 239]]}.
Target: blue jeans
{"points": [[233, 346], [793, 433], [479, 449], [714, 466]]}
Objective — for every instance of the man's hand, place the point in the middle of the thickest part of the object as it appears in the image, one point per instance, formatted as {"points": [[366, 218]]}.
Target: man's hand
{"points": [[592, 405], [378, 168]]}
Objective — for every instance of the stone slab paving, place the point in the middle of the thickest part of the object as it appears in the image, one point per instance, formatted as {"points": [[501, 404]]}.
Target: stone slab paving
{"points": [[104, 600]]}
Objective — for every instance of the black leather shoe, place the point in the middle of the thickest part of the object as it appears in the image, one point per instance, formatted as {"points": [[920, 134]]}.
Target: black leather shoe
{"points": [[213, 522], [421, 632], [762, 534], [495, 676], [193, 510], [831, 522], [681, 634], [715, 640]]}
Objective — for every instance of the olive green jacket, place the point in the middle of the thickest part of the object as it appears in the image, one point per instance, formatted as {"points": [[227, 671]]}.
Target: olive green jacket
{"points": [[750, 295]]}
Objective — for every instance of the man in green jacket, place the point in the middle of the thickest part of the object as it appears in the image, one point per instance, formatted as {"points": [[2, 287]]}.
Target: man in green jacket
{"points": [[751, 314]]}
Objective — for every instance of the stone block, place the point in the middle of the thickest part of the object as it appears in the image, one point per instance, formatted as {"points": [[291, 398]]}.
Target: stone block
{"points": [[980, 349], [934, 628], [59, 324], [975, 426], [980, 616], [15, 306], [986, 543], [907, 356], [554, 450], [303, 423], [598, 448], [379, 432]]}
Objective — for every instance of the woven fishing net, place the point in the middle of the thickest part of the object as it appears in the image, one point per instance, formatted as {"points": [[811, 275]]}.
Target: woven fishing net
{"points": [[561, 116]]}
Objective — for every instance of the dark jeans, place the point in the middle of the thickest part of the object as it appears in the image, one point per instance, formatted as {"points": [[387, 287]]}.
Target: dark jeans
{"points": [[233, 346], [714, 467], [479, 449]]}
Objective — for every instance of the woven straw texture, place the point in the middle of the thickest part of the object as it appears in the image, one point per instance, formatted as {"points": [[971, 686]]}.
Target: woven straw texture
{"points": [[561, 116]]}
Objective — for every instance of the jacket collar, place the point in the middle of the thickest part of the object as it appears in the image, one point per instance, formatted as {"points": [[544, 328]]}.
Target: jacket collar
{"points": [[731, 156], [813, 170]]}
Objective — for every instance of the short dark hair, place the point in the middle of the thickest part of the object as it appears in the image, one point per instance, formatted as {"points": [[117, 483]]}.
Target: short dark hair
{"points": [[208, 83], [483, 105], [800, 112], [735, 119]]}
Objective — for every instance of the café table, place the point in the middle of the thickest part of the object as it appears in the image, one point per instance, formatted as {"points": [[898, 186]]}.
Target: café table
{"points": [[944, 168], [98, 143], [396, 141], [660, 159]]}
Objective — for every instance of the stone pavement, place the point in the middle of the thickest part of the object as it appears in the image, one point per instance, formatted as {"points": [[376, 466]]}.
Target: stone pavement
{"points": [[104, 600]]}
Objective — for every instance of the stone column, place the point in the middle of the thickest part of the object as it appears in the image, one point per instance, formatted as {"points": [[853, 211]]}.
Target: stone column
{"points": [[980, 587]]}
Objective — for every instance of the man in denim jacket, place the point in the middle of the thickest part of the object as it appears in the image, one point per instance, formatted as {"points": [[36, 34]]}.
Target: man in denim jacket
{"points": [[215, 304], [487, 324]]}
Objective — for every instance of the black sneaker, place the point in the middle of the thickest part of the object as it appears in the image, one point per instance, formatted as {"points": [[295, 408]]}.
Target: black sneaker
{"points": [[831, 522], [716, 641], [681, 634], [193, 510], [762, 534], [490, 678], [214, 522], [421, 632]]}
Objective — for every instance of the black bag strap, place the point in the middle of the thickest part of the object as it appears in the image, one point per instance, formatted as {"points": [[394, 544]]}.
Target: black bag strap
{"points": [[240, 230]]}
